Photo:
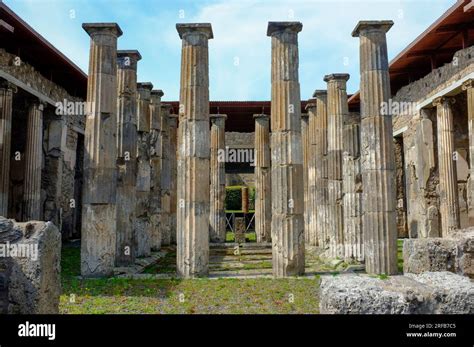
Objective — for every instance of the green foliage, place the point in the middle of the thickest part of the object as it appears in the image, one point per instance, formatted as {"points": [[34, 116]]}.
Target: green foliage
{"points": [[233, 198]]}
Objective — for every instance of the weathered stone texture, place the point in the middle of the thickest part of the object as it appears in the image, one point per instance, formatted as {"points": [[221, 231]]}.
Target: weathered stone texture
{"points": [[377, 153], [310, 170], [263, 202], [306, 149], [193, 152], [33, 282], [468, 86], [217, 222], [287, 157], [165, 176], [98, 244], [173, 139], [428, 293]]}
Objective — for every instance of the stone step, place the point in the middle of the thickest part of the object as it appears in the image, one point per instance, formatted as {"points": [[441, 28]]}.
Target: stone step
{"points": [[247, 245], [257, 257], [241, 251]]}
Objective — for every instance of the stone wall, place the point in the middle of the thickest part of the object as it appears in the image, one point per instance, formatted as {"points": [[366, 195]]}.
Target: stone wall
{"points": [[420, 145]]}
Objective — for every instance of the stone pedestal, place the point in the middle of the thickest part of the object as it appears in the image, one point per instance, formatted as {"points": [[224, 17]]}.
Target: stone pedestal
{"points": [[217, 224], [33, 160], [143, 229], [155, 164], [287, 157], [6, 99], [263, 202], [377, 152], [448, 181], [98, 243], [165, 176], [126, 155], [320, 147], [337, 113], [173, 139], [469, 88], [193, 152]]}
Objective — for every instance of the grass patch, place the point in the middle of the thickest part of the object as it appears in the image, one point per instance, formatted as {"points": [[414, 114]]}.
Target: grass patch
{"points": [[165, 265], [249, 237]]}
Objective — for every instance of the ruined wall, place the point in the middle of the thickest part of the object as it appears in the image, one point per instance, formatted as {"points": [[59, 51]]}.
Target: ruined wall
{"points": [[60, 184], [420, 145]]}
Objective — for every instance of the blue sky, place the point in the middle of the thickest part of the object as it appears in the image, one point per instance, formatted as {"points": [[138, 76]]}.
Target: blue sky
{"points": [[240, 51]]}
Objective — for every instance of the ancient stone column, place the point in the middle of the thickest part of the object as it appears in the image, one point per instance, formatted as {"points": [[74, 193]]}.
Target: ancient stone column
{"points": [[193, 152], [320, 147], [263, 202], [165, 176], [126, 155], [217, 224], [6, 99], [310, 194], [98, 244], [352, 191], [143, 228], [337, 112], [377, 152], [448, 181], [173, 140], [305, 144], [287, 157], [33, 160], [468, 86], [155, 164]]}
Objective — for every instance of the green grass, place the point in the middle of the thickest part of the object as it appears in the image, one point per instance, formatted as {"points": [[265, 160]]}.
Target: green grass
{"points": [[200, 296]]}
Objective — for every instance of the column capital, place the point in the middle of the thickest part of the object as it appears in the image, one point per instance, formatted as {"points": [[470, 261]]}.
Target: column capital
{"points": [[4, 84], [305, 115], [372, 25], [218, 116], [337, 77], [145, 86], [320, 93], [173, 116], [155, 95], [166, 107], [100, 28], [261, 116], [194, 28], [310, 104], [468, 84], [443, 100], [127, 59], [278, 27]]}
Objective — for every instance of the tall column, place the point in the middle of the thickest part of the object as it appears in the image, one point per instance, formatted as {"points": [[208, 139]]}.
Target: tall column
{"points": [[263, 202], [287, 157], [33, 160], [217, 215], [305, 144], [165, 176], [155, 166], [143, 228], [468, 86], [377, 152], [311, 215], [448, 181], [98, 244], [173, 139], [337, 112], [6, 100], [126, 155], [352, 191], [321, 200], [193, 152]]}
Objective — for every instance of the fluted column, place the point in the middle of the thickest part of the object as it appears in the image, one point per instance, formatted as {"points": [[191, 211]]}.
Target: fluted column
{"points": [[6, 99], [321, 200], [352, 191], [263, 202], [377, 152], [287, 157], [126, 158], [305, 144], [193, 152], [165, 176], [33, 160], [143, 227], [448, 181], [217, 224], [337, 112], [98, 243], [311, 215], [468, 86], [155, 167], [173, 139]]}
